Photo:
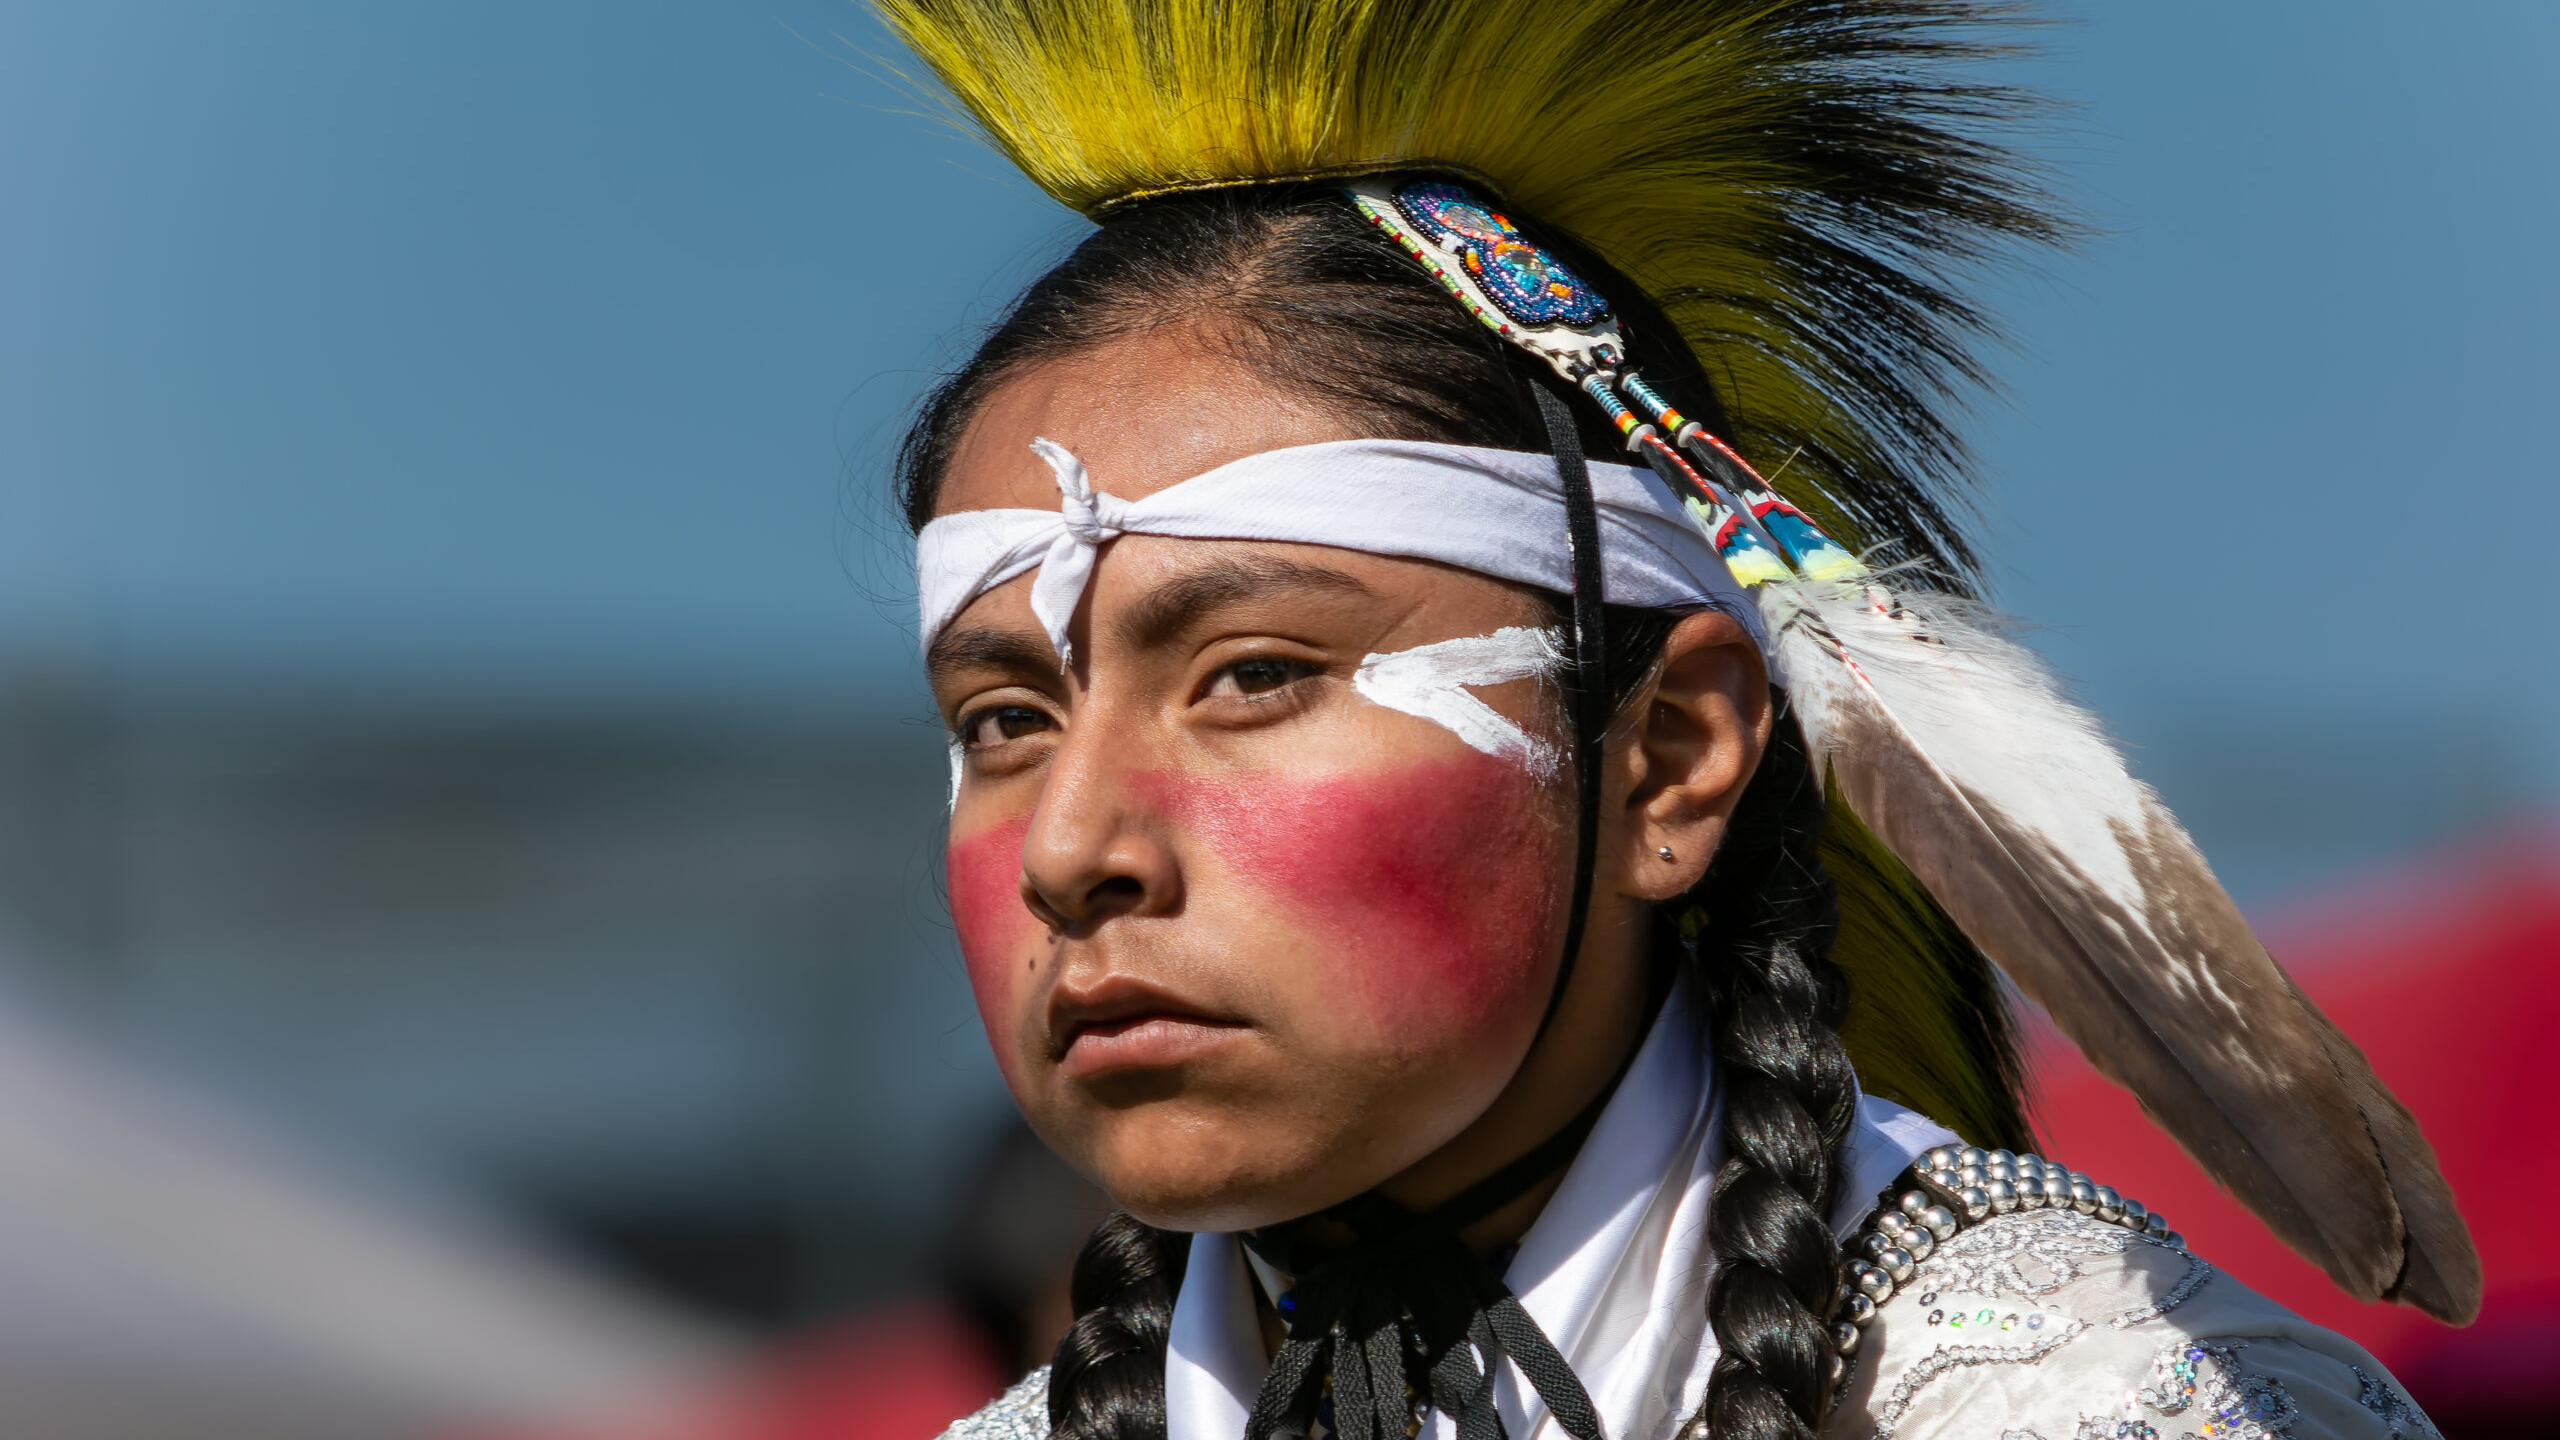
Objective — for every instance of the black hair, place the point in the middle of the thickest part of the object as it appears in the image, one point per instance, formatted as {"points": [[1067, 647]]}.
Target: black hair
{"points": [[1308, 296], [1294, 285]]}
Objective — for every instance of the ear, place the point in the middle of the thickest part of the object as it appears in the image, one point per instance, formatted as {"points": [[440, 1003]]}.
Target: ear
{"points": [[1692, 739]]}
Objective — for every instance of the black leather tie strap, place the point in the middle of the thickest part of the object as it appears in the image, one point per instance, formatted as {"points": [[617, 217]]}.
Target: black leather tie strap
{"points": [[1413, 1320], [1408, 1317], [1587, 673]]}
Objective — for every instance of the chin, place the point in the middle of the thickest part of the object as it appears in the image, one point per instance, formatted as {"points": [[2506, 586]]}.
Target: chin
{"points": [[1187, 1174], [1218, 1212]]}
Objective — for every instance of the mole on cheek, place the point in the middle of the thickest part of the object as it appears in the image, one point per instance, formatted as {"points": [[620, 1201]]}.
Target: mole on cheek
{"points": [[984, 873], [1433, 883]]}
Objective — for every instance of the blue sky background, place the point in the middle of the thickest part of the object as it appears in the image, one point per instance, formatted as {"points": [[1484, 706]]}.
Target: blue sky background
{"points": [[512, 354]]}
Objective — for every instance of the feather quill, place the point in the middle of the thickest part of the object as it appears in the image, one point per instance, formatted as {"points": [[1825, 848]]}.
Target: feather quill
{"points": [[1962, 752]]}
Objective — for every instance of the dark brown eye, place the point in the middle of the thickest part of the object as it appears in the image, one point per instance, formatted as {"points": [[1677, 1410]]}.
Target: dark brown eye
{"points": [[1258, 676], [998, 723]]}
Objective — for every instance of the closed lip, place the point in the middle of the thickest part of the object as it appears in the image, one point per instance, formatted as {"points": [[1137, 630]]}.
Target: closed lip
{"points": [[1121, 1023]]}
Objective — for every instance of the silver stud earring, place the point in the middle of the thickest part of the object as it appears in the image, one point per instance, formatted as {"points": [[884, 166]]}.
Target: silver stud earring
{"points": [[1665, 853]]}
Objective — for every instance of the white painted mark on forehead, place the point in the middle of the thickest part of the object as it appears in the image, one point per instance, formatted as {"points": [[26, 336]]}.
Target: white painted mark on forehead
{"points": [[1431, 681]]}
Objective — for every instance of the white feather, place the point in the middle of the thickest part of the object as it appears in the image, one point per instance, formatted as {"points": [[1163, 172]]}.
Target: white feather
{"points": [[1986, 708], [1964, 753]]}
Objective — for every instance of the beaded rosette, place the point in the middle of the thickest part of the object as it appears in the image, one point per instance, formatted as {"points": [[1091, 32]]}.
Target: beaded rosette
{"points": [[1530, 286], [1530, 297]]}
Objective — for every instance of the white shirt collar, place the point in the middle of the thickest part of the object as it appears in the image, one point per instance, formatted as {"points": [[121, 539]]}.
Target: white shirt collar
{"points": [[1614, 1269]]}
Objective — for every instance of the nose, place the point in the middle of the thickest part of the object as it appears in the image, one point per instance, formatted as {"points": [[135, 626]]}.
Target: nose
{"points": [[1096, 849]]}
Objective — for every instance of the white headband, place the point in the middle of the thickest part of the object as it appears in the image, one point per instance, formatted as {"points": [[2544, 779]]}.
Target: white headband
{"points": [[1495, 512]]}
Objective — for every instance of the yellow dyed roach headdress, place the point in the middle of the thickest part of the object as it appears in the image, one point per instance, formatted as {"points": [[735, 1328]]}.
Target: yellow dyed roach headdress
{"points": [[1803, 187]]}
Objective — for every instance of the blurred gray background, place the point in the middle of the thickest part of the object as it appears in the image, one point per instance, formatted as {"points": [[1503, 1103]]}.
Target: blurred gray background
{"points": [[456, 692]]}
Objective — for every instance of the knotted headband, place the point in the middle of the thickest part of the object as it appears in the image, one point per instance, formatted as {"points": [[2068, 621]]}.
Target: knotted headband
{"points": [[1494, 512]]}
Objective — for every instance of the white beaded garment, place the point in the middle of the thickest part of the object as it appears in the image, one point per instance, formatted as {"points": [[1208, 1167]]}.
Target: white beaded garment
{"points": [[1021, 1413], [2054, 1325]]}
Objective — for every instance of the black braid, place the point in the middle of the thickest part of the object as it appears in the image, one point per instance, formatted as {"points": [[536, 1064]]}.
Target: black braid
{"points": [[1764, 916], [1775, 1003], [1107, 1380]]}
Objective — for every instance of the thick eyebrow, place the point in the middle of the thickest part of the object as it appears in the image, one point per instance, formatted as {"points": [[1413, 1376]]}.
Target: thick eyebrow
{"points": [[979, 647], [1181, 603]]}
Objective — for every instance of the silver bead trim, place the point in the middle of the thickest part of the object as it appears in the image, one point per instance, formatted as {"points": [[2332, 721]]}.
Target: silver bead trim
{"points": [[1960, 1187]]}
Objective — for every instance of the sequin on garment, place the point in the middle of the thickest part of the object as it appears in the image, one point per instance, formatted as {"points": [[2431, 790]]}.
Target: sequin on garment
{"points": [[2002, 1295], [2407, 1421], [2204, 1382]]}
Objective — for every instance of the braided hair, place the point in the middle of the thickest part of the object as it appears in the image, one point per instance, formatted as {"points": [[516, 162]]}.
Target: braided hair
{"points": [[1315, 301], [1106, 1381], [1776, 1002]]}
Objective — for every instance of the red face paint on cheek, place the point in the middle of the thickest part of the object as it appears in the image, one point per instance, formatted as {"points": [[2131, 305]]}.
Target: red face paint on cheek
{"points": [[1430, 889], [984, 874]]}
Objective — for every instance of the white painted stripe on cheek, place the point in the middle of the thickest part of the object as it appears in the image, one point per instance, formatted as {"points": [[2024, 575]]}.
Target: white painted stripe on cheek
{"points": [[1431, 681]]}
